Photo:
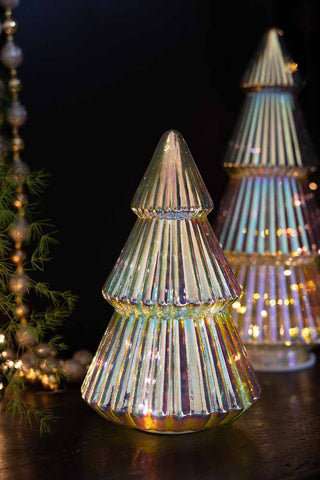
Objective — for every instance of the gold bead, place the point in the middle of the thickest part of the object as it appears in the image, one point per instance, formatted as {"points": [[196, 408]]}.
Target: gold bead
{"points": [[14, 85], [18, 256], [20, 200], [17, 144], [9, 26], [22, 310]]}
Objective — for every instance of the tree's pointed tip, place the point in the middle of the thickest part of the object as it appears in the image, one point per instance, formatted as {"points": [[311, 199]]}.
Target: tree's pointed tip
{"points": [[170, 137], [172, 182], [271, 65]]}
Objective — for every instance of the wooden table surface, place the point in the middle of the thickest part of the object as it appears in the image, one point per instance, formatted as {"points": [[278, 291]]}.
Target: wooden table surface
{"points": [[278, 439]]}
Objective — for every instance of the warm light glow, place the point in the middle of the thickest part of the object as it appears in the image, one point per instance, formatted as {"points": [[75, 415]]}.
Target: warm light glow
{"points": [[306, 333], [313, 186], [256, 296], [31, 374], [236, 305], [18, 364], [264, 313], [1, 386], [242, 309], [2, 338], [292, 67], [294, 331], [255, 331], [44, 379]]}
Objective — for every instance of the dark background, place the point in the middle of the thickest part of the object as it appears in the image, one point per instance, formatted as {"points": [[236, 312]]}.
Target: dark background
{"points": [[104, 79]]}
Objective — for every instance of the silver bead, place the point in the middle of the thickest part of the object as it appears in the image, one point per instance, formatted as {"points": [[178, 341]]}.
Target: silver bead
{"points": [[83, 356], [43, 350], [49, 365], [18, 283], [29, 360], [19, 230], [9, 4], [20, 171], [16, 115], [11, 55], [73, 370], [25, 336], [8, 354]]}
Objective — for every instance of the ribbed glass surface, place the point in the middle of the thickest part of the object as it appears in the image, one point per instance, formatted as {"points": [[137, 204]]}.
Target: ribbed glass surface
{"points": [[261, 214], [280, 304], [270, 133], [171, 263], [170, 374], [271, 65], [268, 221], [172, 184], [171, 360]]}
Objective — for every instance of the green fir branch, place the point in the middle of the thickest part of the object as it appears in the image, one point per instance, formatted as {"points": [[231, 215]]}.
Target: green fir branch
{"points": [[41, 253], [57, 306], [19, 409], [37, 182]]}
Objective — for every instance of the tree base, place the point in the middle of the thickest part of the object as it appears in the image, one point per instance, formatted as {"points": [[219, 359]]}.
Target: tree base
{"points": [[272, 358]]}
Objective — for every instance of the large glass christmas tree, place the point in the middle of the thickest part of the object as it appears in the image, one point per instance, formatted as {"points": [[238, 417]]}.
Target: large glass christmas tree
{"points": [[268, 222], [171, 360]]}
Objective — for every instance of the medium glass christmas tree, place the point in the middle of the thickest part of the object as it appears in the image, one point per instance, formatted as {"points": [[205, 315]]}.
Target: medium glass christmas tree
{"points": [[171, 360], [268, 221]]}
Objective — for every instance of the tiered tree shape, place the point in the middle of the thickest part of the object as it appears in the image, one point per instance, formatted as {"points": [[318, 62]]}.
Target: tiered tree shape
{"points": [[268, 221], [171, 360]]}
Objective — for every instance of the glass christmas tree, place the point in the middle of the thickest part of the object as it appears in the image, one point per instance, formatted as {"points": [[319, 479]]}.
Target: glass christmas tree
{"points": [[171, 360], [268, 221]]}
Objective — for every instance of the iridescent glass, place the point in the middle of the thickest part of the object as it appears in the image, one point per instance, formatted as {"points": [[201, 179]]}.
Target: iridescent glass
{"points": [[268, 222], [171, 360]]}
